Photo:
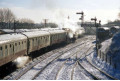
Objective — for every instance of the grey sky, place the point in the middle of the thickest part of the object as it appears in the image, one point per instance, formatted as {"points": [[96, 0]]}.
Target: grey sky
{"points": [[107, 9]]}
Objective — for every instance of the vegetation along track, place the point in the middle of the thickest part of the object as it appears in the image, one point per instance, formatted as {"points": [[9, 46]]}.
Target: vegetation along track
{"points": [[20, 72]]}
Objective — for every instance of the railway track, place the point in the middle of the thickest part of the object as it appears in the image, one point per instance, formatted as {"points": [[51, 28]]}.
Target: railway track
{"points": [[14, 76], [67, 61], [50, 61], [94, 71], [113, 78], [56, 74]]}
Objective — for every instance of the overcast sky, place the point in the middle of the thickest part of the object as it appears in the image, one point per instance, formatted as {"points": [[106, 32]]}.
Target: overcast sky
{"points": [[53, 10]]}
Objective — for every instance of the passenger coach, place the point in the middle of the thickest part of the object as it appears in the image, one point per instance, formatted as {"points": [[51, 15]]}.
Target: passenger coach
{"points": [[11, 47]]}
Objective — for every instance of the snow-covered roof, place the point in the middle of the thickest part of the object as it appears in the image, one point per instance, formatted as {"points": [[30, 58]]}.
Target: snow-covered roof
{"points": [[50, 29], [53, 30], [105, 45], [18, 30], [35, 33], [117, 27], [105, 28], [11, 37]]}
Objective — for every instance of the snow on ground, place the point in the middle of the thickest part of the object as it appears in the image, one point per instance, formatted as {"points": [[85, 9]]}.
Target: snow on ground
{"points": [[65, 72], [103, 65], [80, 74], [112, 48], [29, 75], [105, 45]]}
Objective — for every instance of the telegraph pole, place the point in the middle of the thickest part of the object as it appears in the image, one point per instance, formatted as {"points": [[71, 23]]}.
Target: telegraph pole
{"points": [[14, 26], [99, 23], [68, 17], [95, 20], [45, 22]]}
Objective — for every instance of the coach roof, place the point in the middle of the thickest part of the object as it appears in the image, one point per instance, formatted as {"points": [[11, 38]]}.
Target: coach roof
{"points": [[11, 37]]}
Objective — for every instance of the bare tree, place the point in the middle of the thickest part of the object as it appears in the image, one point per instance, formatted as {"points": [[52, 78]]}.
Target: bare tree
{"points": [[119, 15], [26, 20], [6, 16], [25, 23]]}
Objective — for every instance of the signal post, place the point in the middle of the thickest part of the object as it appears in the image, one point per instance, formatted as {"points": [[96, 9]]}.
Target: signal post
{"points": [[96, 25]]}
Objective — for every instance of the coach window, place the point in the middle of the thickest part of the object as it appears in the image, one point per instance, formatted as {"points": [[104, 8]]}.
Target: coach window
{"points": [[16, 47], [43, 39], [40, 40], [1, 52], [22, 45], [0, 48], [46, 38], [10, 49], [53, 37], [56, 36], [5, 46], [32, 42], [36, 41], [25, 44], [15, 44], [10, 45], [6, 50], [19, 46]]}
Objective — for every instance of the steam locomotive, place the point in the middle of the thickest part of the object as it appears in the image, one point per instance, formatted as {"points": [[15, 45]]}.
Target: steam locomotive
{"points": [[107, 32]]}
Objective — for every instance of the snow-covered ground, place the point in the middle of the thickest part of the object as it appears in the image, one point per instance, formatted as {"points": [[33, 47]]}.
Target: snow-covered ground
{"points": [[96, 61], [110, 47]]}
